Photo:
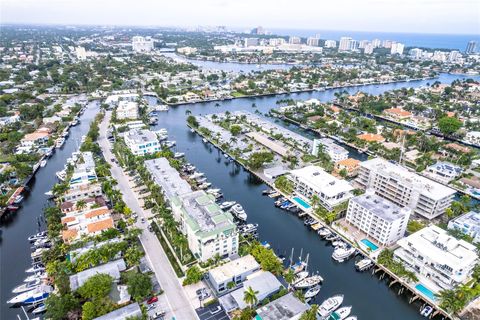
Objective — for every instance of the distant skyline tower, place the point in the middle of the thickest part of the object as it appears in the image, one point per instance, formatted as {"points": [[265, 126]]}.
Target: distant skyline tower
{"points": [[471, 47], [344, 44]]}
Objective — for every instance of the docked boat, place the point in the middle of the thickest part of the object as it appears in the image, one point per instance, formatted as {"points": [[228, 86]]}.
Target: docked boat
{"points": [[49, 153], [227, 204], [18, 199], [238, 212], [59, 143], [35, 268], [178, 155], [332, 237], [213, 191], [427, 311], [35, 237], [33, 296], [300, 276], [330, 305], [40, 309], [192, 130], [341, 313], [249, 228], [267, 192], [204, 185], [342, 254], [274, 195], [33, 277], [308, 282], [27, 286], [309, 221], [338, 244], [324, 232], [363, 264], [61, 175], [201, 180], [312, 292], [43, 163], [196, 175]]}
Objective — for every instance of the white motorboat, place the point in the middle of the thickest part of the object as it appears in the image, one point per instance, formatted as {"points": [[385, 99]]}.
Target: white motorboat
{"points": [[59, 143], [363, 264], [35, 237], [309, 282], [35, 268], [192, 130], [18, 199], [427, 311], [178, 155], [169, 144], [201, 180], [204, 185], [43, 163], [213, 191], [204, 140], [227, 204], [300, 276], [26, 286], [33, 296], [341, 254], [324, 232], [33, 277], [41, 308], [249, 228], [196, 175], [238, 212], [312, 292], [341, 313], [330, 305], [61, 175], [339, 244]]}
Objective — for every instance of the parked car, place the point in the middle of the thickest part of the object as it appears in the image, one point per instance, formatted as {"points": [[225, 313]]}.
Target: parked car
{"points": [[151, 306], [152, 300], [216, 310]]}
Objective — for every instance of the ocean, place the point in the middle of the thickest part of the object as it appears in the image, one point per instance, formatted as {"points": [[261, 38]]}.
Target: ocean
{"points": [[433, 41]]}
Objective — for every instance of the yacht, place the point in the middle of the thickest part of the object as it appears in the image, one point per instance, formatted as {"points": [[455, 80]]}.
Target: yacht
{"points": [[196, 175], [59, 143], [312, 292], [35, 268], [338, 243], [300, 276], [363, 264], [35, 237], [205, 140], [41, 308], [61, 175], [330, 305], [201, 180], [38, 275], [342, 254], [324, 232], [427, 311], [331, 237], [238, 212], [33, 296], [204, 185], [192, 130], [178, 155], [26, 286], [227, 204], [309, 282], [341, 313], [43, 163], [249, 228], [169, 144], [213, 191]]}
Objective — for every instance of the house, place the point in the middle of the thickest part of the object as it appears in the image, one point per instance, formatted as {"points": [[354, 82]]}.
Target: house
{"points": [[37, 138], [473, 137], [127, 110], [334, 151], [371, 137], [443, 172], [350, 165], [112, 268], [88, 222], [142, 142], [287, 307], [397, 114], [131, 311], [235, 271], [468, 223]]}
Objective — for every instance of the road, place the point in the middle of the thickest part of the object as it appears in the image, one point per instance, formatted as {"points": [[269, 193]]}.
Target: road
{"points": [[180, 307]]}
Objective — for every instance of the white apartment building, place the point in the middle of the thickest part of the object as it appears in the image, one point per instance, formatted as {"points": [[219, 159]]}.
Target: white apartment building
{"points": [[84, 172], [313, 180], [379, 218], [312, 41], [235, 271], [294, 40], [127, 110], [276, 42], [142, 141], [330, 44], [335, 152], [368, 49], [404, 188], [473, 137], [81, 53], [344, 44], [468, 223], [437, 257], [250, 42], [397, 48], [142, 44]]}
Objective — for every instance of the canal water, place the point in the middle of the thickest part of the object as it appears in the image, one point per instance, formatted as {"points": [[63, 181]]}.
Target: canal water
{"points": [[14, 246], [370, 298]]}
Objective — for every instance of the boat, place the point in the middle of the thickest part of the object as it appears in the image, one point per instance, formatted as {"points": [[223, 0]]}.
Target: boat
{"points": [[205, 140], [267, 192], [41, 308], [38, 275], [308, 282], [49, 153], [35, 237], [342, 254], [213, 191], [227, 204], [338, 243], [249, 228], [192, 130], [49, 194], [33, 296], [35, 268], [204, 185], [196, 175], [201, 180], [324, 232], [18, 199], [177, 155], [274, 195], [427, 311], [43, 163], [300, 276], [332, 237], [309, 221], [363, 264], [330, 305], [312, 292], [61, 175], [59, 143], [238, 212], [169, 144], [341, 313], [26, 286]]}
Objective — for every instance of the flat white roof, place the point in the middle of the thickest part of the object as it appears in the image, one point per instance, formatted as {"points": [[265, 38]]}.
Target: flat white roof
{"points": [[427, 187], [234, 268], [141, 136], [316, 178], [167, 177], [381, 207]]}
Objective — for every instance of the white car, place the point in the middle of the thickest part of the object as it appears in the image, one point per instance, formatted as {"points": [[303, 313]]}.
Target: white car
{"points": [[216, 310]]}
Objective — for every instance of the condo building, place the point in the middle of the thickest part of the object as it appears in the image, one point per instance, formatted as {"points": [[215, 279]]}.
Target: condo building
{"points": [[426, 198], [142, 44], [379, 218], [142, 142], [127, 110], [437, 258], [334, 151]]}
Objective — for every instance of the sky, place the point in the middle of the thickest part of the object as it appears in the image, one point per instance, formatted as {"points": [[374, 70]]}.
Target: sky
{"points": [[416, 16]]}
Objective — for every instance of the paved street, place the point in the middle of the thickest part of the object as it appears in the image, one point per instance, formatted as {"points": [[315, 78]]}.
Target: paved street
{"points": [[179, 305]]}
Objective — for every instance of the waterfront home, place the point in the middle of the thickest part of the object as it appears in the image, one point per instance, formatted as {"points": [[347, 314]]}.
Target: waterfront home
{"points": [[378, 218], [371, 137], [468, 223], [131, 311], [473, 137], [82, 191], [89, 222], [235, 272], [37, 138], [69, 206], [397, 114], [443, 172], [84, 171], [334, 151], [127, 110], [350, 165], [112, 268], [427, 198], [313, 180], [142, 141], [287, 307], [439, 260], [263, 282]]}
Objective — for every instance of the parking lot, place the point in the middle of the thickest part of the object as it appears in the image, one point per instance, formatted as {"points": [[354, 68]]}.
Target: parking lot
{"points": [[206, 313]]}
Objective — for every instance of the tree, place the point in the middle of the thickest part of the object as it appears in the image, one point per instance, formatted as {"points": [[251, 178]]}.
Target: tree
{"points": [[193, 275], [449, 125], [96, 287], [414, 226], [284, 184], [257, 159], [139, 286], [289, 276], [235, 129], [250, 296], [81, 204], [191, 120], [88, 311], [58, 306], [310, 314]]}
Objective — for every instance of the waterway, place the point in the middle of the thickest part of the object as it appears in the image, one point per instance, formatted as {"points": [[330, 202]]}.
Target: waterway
{"points": [[14, 246], [370, 298]]}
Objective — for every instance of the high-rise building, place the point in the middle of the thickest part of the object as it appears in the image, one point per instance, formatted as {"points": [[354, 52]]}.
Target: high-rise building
{"points": [[439, 56], [250, 42], [142, 44], [330, 44], [344, 44], [312, 41], [376, 43], [276, 41], [454, 56], [426, 198], [397, 48], [415, 53], [387, 44], [353, 45], [368, 49], [471, 47], [294, 40], [362, 44], [258, 30]]}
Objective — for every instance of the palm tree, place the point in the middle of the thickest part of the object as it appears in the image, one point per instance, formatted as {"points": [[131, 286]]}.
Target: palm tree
{"points": [[250, 297], [81, 204], [310, 314], [289, 277]]}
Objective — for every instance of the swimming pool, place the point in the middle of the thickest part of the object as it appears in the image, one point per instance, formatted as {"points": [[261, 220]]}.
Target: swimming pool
{"points": [[301, 202], [369, 244], [425, 291]]}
